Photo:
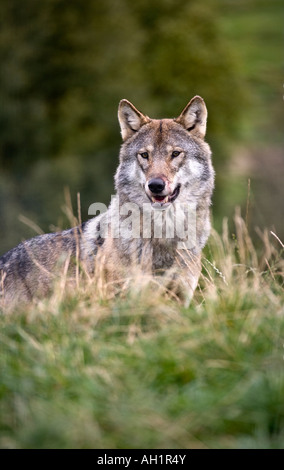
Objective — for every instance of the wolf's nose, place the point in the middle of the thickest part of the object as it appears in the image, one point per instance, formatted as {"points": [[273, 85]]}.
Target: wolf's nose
{"points": [[156, 185]]}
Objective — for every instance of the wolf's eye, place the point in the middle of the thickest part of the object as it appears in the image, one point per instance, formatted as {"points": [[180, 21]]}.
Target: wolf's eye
{"points": [[144, 155], [175, 154]]}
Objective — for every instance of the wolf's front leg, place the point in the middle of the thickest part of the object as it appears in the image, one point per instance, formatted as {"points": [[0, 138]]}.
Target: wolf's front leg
{"points": [[183, 277]]}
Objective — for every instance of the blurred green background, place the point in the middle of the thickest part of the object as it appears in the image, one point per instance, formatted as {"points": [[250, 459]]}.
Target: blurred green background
{"points": [[65, 64]]}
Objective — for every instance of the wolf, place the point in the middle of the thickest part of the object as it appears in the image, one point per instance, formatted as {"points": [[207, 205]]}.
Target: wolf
{"points": [[164, 169]]}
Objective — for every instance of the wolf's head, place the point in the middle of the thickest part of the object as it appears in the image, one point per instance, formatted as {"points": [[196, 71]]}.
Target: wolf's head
{"points": [[167, 160]]}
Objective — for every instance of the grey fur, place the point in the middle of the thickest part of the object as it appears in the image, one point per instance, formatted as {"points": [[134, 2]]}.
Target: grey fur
{"points": [[29, 269]]}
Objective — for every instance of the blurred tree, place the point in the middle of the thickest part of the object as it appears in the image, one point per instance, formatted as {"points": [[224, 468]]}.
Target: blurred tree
{"points": [[65, 64]]}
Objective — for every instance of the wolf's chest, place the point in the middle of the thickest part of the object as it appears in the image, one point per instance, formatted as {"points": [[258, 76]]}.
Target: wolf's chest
{"points": [[153, 254], [163, 255]]}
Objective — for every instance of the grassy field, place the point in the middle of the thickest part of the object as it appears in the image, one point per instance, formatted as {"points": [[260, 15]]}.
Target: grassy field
{"points": [[81, 370]]}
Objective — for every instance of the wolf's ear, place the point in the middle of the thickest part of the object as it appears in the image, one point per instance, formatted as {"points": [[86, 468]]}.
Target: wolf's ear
{"points": [[194, 117], [130, 119]]}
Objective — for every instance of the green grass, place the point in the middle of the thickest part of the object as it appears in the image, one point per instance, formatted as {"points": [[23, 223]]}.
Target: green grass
{"points": [[82, 370]]}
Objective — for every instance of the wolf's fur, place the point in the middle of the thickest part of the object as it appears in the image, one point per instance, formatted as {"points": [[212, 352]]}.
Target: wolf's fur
{"points": [[167, 151]]}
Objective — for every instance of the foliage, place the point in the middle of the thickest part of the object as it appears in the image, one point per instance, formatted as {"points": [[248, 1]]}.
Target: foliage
{"points": [[86, 370], [66, 65]]}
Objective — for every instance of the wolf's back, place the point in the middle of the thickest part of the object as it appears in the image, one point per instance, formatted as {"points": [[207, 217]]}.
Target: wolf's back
{"points": [[31, 267]]}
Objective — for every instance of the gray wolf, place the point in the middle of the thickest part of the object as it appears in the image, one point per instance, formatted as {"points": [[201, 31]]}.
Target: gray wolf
{"points": [[163, 164]]}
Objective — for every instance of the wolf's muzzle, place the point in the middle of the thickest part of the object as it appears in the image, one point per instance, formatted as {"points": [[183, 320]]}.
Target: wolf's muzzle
{"points": [[156, 185]]}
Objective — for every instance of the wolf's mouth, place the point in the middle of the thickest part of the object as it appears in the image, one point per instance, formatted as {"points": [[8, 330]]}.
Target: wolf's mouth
{"points": [[169, 198]]}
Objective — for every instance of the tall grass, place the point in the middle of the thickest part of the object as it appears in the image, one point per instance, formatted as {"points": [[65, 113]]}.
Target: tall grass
{"points": [[90, 369]]}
